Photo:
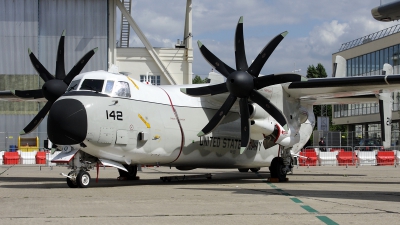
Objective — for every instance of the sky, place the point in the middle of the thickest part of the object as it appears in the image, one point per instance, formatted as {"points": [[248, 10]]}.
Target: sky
{"points": [[317, 29]]}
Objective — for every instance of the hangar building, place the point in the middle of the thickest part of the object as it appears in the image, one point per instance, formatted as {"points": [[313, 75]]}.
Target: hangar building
{"points": [[106, 24]]}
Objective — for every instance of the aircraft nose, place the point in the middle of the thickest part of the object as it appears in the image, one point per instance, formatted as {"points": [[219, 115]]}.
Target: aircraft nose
{"points": [[67, 122]]}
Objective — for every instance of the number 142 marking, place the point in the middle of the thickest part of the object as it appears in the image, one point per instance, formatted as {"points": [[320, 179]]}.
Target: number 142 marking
{"points": [[114, 114]]}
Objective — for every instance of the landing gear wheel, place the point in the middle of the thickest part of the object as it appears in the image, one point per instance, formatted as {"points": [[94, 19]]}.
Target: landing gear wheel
{"points": [[70, 183], [83, 179], [130, 175], [243, 170], [277, 169], [254, 170]]}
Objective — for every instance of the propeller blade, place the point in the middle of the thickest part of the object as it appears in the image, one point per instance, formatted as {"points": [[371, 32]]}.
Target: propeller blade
{"points": [[215, 62], [43, 73], [60, 66], [259, 62], [268, 107], [240, 53], [244, 124], [37, 119], [219, 115], [206, 90], [38, 93], [79, 66], [273, 79]]}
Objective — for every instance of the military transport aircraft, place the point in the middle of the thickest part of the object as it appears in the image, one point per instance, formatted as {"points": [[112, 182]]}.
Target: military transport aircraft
{"points": [[248, 122]]}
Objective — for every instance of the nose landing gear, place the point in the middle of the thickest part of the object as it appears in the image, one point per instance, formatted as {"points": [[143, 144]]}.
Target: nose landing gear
{"points": [[80, 163], [78, 179]]}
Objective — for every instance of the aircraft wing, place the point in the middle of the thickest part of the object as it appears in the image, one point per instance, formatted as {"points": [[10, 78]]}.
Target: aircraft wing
{"points": [[19, 96], [343, 90]]}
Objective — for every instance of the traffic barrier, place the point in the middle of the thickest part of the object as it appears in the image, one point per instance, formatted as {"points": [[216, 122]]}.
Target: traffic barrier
{"points": [[27, 158], [1, 155], [337, 149], [311, 159], [346, 158], [397, 157], [10, 158], [366, 158], [385, 158], [40, 158], [327, 158]]}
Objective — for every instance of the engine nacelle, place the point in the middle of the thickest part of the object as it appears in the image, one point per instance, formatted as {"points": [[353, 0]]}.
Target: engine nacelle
{"points": [[256, 112], [285, 138], [261, 128]]}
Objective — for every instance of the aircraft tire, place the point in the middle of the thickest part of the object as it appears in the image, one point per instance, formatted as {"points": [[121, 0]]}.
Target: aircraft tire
{"points": [[70, 183], [132, 172], [276, 169], [254, 170], [243, 170], [83, 179]]}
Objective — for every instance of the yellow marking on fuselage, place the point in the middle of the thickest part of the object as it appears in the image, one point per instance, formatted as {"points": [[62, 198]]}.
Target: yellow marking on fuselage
{"points": [[133, 82], [144, 121]]}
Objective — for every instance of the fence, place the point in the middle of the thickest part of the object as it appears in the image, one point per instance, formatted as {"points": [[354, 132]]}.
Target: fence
{"points": [[348, 156], [41, 157], [353, 138]]}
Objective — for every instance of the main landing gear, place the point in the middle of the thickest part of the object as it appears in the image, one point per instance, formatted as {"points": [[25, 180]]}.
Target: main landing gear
{"points": [[280, 166], [130, 175]]}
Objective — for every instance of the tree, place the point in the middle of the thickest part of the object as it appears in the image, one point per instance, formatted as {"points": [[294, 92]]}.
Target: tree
{"points": [[316, 72], [320, 72], [197, 80]]}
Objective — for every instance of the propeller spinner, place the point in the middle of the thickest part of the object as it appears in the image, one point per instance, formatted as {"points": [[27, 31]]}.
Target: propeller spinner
{"points": [[54, 86], [242, 83]]}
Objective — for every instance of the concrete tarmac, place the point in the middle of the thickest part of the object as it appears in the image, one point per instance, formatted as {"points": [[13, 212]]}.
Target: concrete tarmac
{"points": [[314, 195]]}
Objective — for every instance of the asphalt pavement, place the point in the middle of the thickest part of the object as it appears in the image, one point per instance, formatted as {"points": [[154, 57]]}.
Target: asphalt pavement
{"points": [[314, 195]]}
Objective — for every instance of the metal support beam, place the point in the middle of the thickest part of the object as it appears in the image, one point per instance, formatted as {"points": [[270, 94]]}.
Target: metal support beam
{"points": [[146, 42], [112, 51], [187, 38]]}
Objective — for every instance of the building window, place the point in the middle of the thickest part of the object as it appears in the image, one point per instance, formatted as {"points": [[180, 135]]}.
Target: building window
{"points": [[154, 79]]}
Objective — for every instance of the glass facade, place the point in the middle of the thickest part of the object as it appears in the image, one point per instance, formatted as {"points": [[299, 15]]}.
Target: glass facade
{"points": [[372, 63], [367, 65]]}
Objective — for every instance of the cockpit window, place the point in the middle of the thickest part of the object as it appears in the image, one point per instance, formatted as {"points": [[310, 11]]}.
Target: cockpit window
{"points": [[121, 89], [109, 87], [73, 86], [92, 84]]}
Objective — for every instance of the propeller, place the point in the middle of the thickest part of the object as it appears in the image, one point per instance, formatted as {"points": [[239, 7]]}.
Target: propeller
{"points": [[242, 83], [54, 86]]}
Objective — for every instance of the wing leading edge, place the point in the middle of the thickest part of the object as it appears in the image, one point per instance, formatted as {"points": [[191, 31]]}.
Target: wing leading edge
{"points": [[329, 88]]}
